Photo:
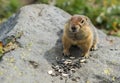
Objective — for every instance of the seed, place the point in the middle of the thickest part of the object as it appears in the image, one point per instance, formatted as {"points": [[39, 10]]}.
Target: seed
{"points": [[60, 70], [50, 72], [61, 78], [73, 70], [64, 74], [68, 62], [73, 79], [83, 61], [72, 57]]}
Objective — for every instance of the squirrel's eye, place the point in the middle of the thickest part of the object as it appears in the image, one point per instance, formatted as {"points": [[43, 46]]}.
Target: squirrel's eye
{"points": [[82, 21]]}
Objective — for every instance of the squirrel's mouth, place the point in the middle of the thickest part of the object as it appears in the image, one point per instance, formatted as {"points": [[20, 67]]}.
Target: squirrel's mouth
{"points": [[74, 29]]}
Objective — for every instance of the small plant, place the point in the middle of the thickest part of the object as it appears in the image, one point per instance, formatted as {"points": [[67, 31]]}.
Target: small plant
{"points": [[8, 7]]}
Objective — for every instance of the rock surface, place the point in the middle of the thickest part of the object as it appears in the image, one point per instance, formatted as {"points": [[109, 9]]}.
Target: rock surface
{"points": [[40, 44]]}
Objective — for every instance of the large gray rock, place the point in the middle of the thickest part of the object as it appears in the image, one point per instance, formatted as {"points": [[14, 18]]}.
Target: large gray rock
{"points": [[42, 27]]}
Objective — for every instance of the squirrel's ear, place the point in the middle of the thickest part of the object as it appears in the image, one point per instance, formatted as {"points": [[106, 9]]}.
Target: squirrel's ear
{"points": [[68, 20], [71, 18], [86, 18]]}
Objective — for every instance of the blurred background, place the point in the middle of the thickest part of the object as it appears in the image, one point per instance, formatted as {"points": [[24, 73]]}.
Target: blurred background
{"points": [[105, 14]]}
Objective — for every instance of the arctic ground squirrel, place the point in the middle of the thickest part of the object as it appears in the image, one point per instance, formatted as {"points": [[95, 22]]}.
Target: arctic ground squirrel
{"points": [[79, 31]]}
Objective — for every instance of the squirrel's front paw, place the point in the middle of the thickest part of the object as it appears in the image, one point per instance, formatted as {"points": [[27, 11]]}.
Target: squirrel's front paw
{"points": [[85, 55], [93, 48], [66, 53]]}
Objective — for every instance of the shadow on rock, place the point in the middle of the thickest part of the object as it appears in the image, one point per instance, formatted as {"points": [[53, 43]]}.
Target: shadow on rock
{"points": [[7, 26], [56, 51]]}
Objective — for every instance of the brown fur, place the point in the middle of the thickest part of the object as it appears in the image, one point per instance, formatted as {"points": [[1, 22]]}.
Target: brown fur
{"points": [[84, 36]]}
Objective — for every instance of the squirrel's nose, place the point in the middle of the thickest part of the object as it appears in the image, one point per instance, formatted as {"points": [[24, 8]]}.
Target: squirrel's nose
{"points": [[73, 28]]}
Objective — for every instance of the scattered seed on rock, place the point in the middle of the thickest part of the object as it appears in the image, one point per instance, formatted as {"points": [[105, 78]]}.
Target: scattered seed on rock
{"points": [[65, 75], [68, 62], [50, 72], [65, 67], [73, 70], [61, 78], [72, 57], [73, 79], [83, 61], [60, 70]]}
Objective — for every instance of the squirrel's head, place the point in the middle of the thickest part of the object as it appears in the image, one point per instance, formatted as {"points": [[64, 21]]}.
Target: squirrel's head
{"points": [[77, 22]]}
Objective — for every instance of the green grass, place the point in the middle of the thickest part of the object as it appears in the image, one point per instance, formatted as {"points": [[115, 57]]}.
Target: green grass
{"points": [[104, 14]]}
